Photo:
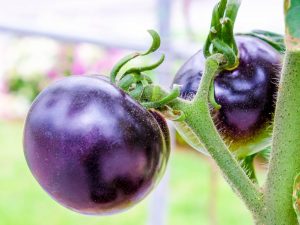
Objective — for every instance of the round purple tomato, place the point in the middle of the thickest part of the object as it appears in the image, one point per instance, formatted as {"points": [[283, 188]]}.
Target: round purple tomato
{"points": [[246, 94], [92, 147]]}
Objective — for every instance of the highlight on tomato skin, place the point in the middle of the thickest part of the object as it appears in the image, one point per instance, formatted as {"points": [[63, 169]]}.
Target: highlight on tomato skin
{"points": [[93, 148], [246, 94]]}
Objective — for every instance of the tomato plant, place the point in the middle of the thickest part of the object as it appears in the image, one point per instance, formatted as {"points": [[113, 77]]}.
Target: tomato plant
{"points": [[98, 149]]}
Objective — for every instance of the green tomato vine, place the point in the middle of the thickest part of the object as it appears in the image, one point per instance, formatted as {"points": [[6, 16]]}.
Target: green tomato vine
{"points": [[277, 202]]}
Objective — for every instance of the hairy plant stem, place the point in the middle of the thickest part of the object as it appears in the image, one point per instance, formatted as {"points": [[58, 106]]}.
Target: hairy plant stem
{"points": [[284, 163], [198, 118]]}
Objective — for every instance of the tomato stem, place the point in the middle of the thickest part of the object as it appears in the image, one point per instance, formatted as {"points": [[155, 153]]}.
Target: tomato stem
{"points": [[284, 163], [198, 118], [285, 155]]}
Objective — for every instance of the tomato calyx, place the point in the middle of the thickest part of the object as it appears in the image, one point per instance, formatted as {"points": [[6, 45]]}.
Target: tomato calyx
{"points": [[154, 46], [221, 38], [135, 82]]}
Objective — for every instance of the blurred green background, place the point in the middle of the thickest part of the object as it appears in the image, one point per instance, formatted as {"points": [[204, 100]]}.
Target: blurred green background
{"points": [[190, 196]]}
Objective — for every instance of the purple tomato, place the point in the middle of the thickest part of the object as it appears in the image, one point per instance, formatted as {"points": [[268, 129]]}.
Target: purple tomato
{"points": [[92, 147], [246, 94]]}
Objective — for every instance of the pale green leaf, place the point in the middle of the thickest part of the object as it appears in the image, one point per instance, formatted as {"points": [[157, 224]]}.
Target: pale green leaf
{"points": [[293, 19]]}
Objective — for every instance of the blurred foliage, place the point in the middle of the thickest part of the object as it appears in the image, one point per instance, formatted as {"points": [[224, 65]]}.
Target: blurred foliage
{"points": [[36, 62], [17, 85]]}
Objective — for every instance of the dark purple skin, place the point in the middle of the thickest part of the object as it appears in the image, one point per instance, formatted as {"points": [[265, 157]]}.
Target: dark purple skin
{"points": [[163, 126], [92, 147], [246, 94]]}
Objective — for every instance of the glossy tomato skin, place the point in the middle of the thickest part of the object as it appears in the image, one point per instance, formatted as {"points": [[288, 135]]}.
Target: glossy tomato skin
{"points": [[92, 147], [246, 94], [163, 126]]}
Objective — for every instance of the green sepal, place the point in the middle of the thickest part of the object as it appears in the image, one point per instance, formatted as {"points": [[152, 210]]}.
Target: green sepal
{"points": [[212, 98], [220, 38], [154, 46], [227, 51], [273, 39], [247, 164], [137, 92], [129, 80], [175, 92]]}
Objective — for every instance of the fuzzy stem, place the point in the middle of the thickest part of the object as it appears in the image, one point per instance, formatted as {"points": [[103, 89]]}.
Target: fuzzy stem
{"points": [[284, 163], [199, 119]]}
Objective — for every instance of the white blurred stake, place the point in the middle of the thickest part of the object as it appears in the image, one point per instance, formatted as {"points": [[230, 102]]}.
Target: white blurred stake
{"points": [[158, 206], [159, 200]]}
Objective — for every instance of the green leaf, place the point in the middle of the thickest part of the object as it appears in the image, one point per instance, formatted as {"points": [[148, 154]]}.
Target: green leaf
{"points": [[295, 3], [293, 19]]}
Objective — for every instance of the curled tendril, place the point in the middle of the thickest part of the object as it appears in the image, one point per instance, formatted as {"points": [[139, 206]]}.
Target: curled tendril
{"points": [[116, 69], [135, 82], [146, 68], [155, 42], [154, 46]]}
